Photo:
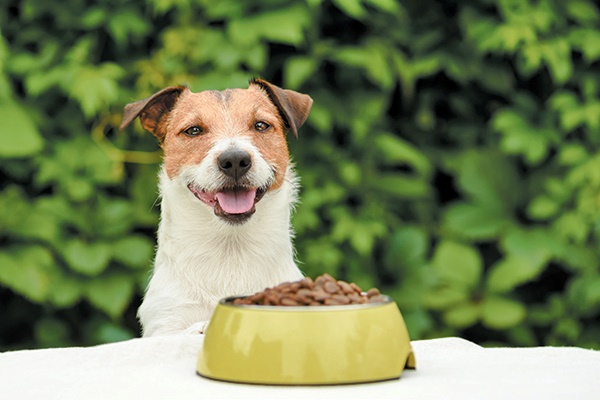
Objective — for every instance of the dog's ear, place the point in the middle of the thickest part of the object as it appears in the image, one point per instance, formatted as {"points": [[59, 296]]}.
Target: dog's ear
{"points": [[293, 106], [151, 109]]}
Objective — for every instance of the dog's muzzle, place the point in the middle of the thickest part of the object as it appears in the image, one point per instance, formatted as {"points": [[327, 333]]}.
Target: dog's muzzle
{"points": [[235, 200]]}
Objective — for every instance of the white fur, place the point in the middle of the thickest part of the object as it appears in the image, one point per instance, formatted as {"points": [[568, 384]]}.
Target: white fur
{"points": [[201, 259]]}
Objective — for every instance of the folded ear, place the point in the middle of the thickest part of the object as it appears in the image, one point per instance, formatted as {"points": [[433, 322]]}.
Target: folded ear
{"points": [[293, 106], [152, 109]]}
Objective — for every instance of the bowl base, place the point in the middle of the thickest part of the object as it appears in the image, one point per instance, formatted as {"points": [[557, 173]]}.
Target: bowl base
{"points": [[297, 384]]}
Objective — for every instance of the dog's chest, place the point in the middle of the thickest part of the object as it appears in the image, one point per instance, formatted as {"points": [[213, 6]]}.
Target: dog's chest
{"points": [[230, 267], [211, 259]]}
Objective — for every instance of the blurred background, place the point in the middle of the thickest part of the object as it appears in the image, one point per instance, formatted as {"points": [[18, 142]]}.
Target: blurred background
{"points": [[451, 157]]}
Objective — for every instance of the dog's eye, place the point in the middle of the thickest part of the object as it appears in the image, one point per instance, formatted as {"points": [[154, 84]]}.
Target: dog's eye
{"points": [[193, 131], [261, 126]]}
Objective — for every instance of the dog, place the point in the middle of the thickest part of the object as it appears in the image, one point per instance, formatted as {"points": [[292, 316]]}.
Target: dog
{"points": [[227, 189]]}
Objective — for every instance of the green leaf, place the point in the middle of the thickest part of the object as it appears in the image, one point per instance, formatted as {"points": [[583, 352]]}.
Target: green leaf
{"points": [[511, 272], [446, 297], [578, 257], [108, 332], [405, 72], [21, 218], [563, 100], [255, 56], [568, 327], [362, 241], [297, 70], [428, 65], [474, 221], [572, 154], [38, 225], [487, 177], [501, 313], [379, 64], [542, 208], [78, 189], [87, 258], [113, 217], [18, 133], [27, 270], [573, 227], [110, 294], [320, 117], [350, 173], [591, 114], [547, 313], [362, 237], [523, 336], [583, 294], [93, 18], [367, 108], [351, 56], [588, 41], [285, 25], [395, 150], [536, 246], [94, 87], [392, 7], [462, 315], [125, 24], [404, 187], [557, 54], [533, 145], [457, 264], [352, 8], [66, 290], [38, 82], [322, 256], [582, 11], [406, 247], [571, 118], [373, 57], [134, 251], [505, 37], [521, 138]]}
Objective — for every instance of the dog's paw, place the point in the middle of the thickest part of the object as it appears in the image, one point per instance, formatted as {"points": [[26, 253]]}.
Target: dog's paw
{"points": [[197, 328]]}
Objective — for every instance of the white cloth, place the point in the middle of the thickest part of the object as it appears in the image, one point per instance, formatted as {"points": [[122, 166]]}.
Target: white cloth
{"points": [[164, 368]]}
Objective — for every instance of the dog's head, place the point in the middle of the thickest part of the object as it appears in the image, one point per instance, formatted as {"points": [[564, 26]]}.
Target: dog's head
{"points": [[228, 147]]}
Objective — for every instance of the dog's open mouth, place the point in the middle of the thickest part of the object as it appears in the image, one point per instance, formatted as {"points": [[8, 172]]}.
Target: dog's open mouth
{"points": [[235, 204]]}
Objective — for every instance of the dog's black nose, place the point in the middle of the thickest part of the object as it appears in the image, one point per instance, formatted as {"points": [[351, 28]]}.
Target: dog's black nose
{"points": [[234, 163]]}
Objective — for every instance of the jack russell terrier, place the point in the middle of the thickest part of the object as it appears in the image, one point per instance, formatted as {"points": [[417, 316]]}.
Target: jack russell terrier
{"points": [[227, 189]]}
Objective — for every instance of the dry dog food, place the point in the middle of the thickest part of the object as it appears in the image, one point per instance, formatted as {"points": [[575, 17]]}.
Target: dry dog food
{"points": [[323, 291]]}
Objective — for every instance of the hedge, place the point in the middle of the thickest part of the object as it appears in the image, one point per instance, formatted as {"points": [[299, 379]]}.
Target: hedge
{"points": [[451, 156]]}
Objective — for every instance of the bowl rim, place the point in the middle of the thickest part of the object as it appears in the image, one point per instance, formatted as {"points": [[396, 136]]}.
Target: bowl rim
{"points": [[228, 302]]}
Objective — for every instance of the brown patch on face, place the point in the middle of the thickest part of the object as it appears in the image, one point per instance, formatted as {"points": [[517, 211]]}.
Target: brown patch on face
{"points": [[231, 113], [251, 106], [192, 109]]}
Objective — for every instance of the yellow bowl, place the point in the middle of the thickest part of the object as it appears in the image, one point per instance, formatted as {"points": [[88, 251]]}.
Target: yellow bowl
{"points": [[325, 345]]}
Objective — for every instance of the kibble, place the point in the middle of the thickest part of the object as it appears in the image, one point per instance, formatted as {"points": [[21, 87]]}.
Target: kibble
{"points": [[323, 291]]}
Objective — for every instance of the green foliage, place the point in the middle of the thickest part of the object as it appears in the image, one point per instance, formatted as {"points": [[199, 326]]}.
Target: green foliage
{"points": [[451, 156]]}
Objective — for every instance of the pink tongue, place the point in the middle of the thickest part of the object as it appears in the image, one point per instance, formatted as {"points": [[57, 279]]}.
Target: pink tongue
{"points": [[236, 201]]}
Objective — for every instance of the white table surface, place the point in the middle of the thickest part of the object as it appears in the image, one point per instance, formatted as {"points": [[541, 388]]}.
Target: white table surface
{"points": [[164, 368]]}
